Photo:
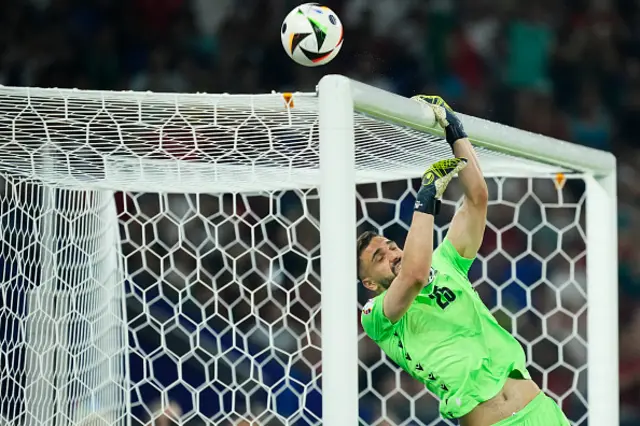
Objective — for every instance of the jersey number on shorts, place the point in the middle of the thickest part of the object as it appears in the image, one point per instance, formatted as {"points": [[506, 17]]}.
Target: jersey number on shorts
{"points": [[443, 296]]}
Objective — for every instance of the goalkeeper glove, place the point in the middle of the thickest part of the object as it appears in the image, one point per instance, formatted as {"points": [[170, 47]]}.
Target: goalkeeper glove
{"points": [[434, 182], [445, 117]]}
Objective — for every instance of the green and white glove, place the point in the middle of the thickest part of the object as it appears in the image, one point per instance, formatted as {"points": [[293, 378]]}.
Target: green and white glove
{"points": [[434, 183], [445, 117]]}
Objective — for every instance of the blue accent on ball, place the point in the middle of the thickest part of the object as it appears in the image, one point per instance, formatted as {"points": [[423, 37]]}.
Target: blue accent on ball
{"points": [[333, 19]]}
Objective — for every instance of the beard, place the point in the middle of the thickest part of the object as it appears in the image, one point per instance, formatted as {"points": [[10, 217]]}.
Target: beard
{"points": [[385, 283]]}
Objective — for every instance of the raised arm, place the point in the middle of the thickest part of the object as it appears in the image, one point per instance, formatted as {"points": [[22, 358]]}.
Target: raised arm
{"points": [[466, 230], [416, 260], [414, 271], [467, 227]]}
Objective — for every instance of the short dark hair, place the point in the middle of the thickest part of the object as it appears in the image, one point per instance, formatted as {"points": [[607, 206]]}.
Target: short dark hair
{"points": [[363, 242]]}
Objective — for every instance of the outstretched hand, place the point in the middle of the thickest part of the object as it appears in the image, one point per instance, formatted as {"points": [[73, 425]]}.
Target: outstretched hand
{"points": [[434, 183], [445, 116]]}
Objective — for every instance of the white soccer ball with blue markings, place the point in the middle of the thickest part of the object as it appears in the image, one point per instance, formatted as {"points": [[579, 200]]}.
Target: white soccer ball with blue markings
{"points": [[312, 34]]}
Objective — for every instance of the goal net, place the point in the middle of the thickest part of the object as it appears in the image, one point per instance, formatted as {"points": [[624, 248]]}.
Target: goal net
{"points": [[161, 256]]}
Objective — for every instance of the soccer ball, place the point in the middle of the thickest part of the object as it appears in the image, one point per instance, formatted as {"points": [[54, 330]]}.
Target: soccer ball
{"points": [[312, 34]]}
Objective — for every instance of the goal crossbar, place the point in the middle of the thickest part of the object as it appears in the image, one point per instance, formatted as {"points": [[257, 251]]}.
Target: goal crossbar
{"points": [[496, 137]]}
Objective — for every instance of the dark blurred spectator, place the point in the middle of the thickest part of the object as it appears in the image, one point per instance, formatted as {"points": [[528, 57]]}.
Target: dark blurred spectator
{"points": [[591, 123], [530, 40]]}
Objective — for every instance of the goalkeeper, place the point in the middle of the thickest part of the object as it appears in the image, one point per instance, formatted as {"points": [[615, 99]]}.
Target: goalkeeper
{"points": [[427, 317]]}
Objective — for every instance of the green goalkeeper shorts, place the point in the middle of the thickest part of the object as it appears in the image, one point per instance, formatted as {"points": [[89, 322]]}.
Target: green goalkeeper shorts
{"points": [[542, 411]]}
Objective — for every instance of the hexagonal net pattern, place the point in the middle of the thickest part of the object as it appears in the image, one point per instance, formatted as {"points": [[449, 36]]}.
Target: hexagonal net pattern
{"points": [[530, 272], [160, 258], [223, 306], [63, 343]]}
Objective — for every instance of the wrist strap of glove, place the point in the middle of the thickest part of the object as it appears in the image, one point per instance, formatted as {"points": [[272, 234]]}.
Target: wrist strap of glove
{"points": [[426, 202], [454, 132]]}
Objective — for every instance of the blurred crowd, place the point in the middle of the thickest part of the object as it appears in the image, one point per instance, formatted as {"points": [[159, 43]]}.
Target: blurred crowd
{"points": [[570, 70]]}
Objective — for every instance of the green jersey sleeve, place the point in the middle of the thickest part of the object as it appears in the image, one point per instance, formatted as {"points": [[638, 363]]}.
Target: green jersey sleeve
{"points": [[377, 326], [449, 253]]}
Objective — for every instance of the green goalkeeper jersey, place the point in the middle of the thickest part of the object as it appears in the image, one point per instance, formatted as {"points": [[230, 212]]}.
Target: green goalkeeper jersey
{"points": [[448, 339]]}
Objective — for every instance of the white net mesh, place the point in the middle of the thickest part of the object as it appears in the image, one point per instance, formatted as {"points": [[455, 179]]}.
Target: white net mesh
{"points": [[224, 143], [61, 305], [193, 291]]}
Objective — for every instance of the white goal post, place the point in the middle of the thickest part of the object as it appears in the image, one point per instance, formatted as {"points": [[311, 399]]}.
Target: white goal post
{"points": [[147, 243]]}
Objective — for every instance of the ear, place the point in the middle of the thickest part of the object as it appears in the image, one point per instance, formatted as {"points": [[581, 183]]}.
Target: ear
{"points": [[370, 285]]}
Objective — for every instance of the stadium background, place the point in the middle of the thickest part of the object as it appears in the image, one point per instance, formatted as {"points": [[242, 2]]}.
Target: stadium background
{"points": [[571, 71]]}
